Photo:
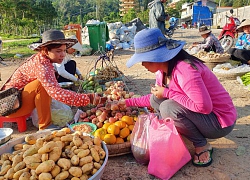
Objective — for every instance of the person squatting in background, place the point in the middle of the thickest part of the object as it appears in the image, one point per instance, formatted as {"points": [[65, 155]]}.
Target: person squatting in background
{"points": [[67, 69], [186, 90], [210, 43]]}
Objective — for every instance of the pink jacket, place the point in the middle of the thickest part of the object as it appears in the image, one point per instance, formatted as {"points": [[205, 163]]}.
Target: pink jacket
{"points": [[198, 90]]}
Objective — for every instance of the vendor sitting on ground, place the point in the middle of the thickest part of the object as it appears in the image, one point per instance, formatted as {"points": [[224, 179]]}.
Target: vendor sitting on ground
{"points": [[210, 43], [241, 52], [67, 69]]}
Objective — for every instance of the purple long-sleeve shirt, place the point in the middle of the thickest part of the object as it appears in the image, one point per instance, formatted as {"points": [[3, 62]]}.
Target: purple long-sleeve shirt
{"points": [[198, 90]]}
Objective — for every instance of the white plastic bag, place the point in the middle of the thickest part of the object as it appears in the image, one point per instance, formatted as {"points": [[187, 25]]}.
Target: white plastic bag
{"points": [[228, 68], [193, 51], [86, 50], [60, 113], [34, 118]]}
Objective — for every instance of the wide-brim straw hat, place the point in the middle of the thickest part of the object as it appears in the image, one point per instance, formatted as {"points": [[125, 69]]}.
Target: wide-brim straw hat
{"points": [[152, 46], [55, 37], [204, 30], [244, 23]]}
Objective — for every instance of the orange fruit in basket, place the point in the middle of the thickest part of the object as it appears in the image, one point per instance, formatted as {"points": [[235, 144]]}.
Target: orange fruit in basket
{"points": [[124, 132], [106, 125], [100, 133], [128, 120], [113, 129], [109, 139], [120, 124], [131, 127], [119, 140]]}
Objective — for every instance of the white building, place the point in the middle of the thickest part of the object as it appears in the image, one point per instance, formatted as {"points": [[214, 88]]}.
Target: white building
{"points": [[187, 11]]}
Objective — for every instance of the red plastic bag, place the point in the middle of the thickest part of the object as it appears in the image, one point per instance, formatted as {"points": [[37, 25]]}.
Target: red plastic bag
{"points": [[168, 153], [139, 138]]}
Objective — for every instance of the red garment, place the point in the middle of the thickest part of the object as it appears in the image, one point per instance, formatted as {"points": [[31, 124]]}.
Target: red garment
{"points": [[39, 67]]}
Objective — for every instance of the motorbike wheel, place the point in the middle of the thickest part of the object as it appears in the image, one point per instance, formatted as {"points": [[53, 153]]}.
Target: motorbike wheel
{"points": [[226, 42]]}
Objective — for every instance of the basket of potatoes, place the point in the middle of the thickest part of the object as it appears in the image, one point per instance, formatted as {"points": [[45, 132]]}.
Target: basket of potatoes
{"points": [[212, 57], [57, 155]]}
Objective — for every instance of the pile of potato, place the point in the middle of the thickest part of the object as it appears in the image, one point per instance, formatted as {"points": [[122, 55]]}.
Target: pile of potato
{"points": [[58, 155], [108, 73], [211, 55]]}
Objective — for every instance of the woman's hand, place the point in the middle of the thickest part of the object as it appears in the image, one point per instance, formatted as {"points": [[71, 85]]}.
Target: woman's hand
{"points": [[80, 77], [122, 104], [158, 91], [193, 45], [95, 99]]}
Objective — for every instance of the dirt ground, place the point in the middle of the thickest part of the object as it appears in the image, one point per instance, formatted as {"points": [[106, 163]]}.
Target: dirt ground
{"points": [[231, 153]]}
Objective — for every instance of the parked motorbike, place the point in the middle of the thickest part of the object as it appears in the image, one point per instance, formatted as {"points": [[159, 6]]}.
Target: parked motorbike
{"points": [[229, 33], [173, 26]]}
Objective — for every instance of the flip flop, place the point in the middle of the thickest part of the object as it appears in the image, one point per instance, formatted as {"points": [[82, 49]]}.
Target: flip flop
{"points": [[202, 164]]}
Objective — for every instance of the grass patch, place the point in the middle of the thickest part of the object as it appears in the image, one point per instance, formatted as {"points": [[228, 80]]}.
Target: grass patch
{"points": [[10, 49]]}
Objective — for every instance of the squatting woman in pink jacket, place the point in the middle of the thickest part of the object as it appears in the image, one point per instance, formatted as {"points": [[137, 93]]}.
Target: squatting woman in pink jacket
{"points": [[185, 90]]}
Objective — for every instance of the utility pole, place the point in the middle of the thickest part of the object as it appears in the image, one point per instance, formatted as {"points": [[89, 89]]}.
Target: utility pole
{"points": [[217, 14], [97, 12], [98, 4]]}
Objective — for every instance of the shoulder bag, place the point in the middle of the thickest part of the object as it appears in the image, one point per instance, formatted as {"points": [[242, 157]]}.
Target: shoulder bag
{"points": [[10, 99]]}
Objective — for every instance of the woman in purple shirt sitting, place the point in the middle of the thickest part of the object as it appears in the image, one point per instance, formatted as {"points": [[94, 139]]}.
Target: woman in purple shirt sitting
{"points": [[185, 90]]}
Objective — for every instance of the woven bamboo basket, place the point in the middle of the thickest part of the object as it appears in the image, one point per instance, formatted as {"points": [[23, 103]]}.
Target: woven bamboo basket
{"points": [[229, 75], [211, 65], [221, 59], [119, 149]]}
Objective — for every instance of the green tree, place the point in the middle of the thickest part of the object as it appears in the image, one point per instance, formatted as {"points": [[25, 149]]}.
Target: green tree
{"points": [[111, 6], [113, 17], [173, 12], [240, 3], [223, 3], [144, 16], [145, 4], [130, 15]]}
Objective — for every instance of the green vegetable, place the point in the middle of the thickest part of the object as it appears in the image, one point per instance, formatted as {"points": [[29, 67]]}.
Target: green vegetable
{"points": [[246, 79]]}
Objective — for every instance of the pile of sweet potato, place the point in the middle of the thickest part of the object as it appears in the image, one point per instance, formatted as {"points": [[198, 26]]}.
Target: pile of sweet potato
{"points": [[59, 155]]}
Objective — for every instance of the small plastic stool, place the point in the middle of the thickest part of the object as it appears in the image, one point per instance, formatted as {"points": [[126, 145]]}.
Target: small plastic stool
{"points": [[21, 122]]}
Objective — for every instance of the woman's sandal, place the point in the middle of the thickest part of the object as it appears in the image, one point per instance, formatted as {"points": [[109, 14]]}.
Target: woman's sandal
{"points": [[202, 164]]}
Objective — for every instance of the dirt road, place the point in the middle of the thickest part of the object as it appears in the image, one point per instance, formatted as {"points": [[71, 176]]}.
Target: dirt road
{"points": [[231, 153]]}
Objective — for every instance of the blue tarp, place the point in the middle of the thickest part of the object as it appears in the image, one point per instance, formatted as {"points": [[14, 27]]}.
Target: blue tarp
{"points": [[203, 15]]}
